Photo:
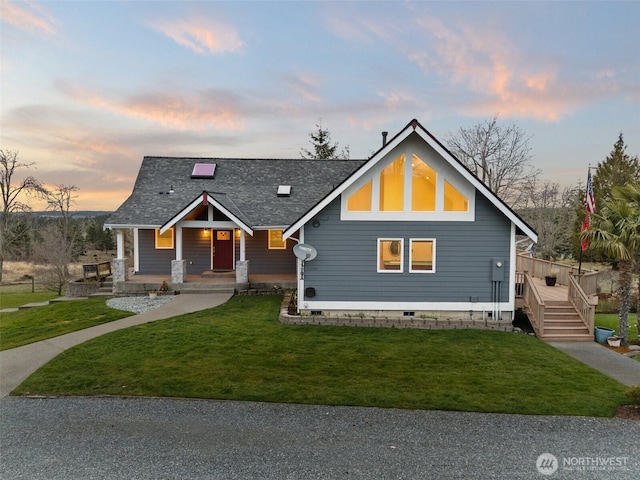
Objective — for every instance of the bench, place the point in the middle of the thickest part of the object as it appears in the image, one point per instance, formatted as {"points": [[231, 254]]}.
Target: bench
{"points": [[96, 270]]}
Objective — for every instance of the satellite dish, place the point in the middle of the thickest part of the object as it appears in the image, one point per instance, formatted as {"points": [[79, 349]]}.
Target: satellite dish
{"points": [[304, 252]]}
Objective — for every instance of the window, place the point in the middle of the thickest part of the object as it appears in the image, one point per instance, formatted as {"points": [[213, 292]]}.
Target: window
{"points": [[275, 240], [411, 185], [361, 200], [422, 255], [392, 186], [454, 201], [423, 186], [164, 241], [390, 255]]}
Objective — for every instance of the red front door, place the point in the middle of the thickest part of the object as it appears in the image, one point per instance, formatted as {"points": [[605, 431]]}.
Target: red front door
{"points": [[222, 250]]}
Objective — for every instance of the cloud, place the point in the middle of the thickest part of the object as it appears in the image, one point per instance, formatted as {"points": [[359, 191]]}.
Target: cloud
{"points": [[28, 16], [200, 110], [201, 35], [500, 78]]}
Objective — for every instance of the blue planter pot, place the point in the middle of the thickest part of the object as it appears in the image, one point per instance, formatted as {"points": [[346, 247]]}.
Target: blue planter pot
{"points": [[602, 333]]}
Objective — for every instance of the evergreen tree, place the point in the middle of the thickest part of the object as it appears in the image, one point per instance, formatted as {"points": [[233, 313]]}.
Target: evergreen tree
{"points": [[617, 170], [323, 149]]}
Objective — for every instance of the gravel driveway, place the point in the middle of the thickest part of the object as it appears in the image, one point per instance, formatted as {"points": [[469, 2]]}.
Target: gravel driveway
{"points": [[146, 438]]}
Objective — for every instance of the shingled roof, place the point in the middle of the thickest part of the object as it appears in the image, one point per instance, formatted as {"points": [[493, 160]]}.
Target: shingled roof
{"points": [[245, 187]]}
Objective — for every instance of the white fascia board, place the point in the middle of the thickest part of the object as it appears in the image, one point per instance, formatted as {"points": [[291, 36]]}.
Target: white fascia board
{"points": [[198, 201], [481, 187], [444, 153], [347, 182]]}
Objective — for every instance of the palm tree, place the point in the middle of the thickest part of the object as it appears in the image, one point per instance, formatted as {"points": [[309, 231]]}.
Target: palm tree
{"points": [[616, 230]]}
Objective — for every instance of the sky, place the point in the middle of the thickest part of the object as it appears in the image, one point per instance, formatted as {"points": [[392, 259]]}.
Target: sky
{"points": [[89, 88]]}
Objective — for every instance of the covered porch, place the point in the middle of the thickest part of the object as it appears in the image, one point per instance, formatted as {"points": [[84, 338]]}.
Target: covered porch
{"points": [[206, 283]]}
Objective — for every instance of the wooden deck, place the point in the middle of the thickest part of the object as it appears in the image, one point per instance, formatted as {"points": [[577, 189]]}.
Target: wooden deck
{"points": [[558, 292], [562, 321]]}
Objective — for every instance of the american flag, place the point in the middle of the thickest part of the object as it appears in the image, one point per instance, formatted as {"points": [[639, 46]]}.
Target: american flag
{"points": [[589, 201], [590, 207]]}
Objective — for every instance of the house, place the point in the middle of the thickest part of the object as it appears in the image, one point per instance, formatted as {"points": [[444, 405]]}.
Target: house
{"points": [[409, 231]]}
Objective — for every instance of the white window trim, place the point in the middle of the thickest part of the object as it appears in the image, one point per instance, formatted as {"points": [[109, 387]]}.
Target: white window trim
{"points": [[432, 240], [379, 242], [173, 239]]}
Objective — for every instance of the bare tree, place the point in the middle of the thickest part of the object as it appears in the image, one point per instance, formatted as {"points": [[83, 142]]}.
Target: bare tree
{"points": [[549, 209], [60, 201], [12, 204], [55, 253], [498, 155]]}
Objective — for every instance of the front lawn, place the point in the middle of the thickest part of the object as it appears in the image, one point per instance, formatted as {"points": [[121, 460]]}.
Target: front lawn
{"points": [[240, 351], [39, 323]]}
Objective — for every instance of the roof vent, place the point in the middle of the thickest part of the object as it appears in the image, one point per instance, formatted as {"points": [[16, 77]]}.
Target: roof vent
{"points": [[284, 190], [203, 170]]}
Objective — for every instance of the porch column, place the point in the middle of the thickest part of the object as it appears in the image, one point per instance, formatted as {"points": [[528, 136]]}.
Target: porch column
{"points": [[136, 250], [242, 246], [120, 244], [178, 242], [242, 265]]}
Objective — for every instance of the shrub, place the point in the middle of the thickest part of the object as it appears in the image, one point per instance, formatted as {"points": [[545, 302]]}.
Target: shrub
{"points": [[633, 394]]}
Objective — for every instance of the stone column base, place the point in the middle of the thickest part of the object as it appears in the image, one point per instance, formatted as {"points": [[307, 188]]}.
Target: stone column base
{"points": [[242, 271], [178, 271], [119, 271]]}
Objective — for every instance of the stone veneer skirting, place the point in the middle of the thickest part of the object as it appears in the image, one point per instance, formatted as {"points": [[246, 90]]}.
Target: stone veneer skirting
{"points": [[393, 322], [81, 289]]}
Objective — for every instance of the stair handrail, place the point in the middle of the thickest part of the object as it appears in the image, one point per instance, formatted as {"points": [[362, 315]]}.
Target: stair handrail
{"points": [[584, 304], [535, 304]]}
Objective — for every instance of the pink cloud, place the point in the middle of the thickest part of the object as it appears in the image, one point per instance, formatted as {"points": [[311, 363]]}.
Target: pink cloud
{"points": [[201, 35], [486, 62], [195, 111], [28, 16]]}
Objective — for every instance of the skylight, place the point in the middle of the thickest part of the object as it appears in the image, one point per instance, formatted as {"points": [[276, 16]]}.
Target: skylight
{"points": [[203, 170], [284, 190]]}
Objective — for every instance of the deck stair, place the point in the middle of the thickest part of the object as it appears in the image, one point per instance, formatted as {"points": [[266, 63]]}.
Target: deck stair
{"points": [[563, 324]]}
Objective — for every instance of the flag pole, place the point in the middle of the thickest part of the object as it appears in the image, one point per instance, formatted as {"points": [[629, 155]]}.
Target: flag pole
{"points": [[589, 206]]}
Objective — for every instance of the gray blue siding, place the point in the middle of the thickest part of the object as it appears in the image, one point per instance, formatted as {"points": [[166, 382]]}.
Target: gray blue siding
{"points": [[345, 268], [150, 260], [264, 261]]}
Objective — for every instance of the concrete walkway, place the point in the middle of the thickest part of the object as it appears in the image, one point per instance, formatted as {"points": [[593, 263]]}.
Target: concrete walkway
{"points": [[18, 363], [623, 369]]}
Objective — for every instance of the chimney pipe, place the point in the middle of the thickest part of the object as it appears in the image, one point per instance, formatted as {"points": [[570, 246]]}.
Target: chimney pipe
{"points": [[384, 138]]}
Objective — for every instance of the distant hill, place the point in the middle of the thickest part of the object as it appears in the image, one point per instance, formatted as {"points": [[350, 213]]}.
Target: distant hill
{"points": [[78, 214]]}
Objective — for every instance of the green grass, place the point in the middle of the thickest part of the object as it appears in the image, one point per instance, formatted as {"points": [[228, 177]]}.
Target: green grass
{"points": [[610, 320], [39, 323], [12, 298], [240, 351]]}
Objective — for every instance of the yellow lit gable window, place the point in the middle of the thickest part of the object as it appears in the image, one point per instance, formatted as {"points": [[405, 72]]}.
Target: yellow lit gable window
{"points": [[361, 200], [165, 240], [454, 201], [392, 186], [410, 185], [423, 186]]}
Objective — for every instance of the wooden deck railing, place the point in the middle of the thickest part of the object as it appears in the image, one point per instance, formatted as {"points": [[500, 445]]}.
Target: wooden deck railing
{"points": [[534, 303], [584, 303]]}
